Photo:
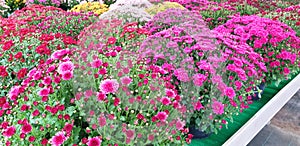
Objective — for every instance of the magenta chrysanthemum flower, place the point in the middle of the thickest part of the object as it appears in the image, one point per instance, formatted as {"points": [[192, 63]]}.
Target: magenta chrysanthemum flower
{"points": [[47, 80], [95, 141], [44, 92], [58, 139], [229, 91], [109, 86], [9, 131], [165, 101], [101, 96], [162, 116], [67, 75], [26, 128], [170, 93], [126, 80], [218, 107], [65, 66], [198, 106]]}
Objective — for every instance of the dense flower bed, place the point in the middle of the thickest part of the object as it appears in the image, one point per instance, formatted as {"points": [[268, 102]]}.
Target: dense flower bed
{"points": [[137, 72]]}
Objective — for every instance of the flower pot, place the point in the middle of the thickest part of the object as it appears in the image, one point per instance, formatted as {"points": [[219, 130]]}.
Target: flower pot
{"points": [[198, 134], [65, 7], [257, 94]]}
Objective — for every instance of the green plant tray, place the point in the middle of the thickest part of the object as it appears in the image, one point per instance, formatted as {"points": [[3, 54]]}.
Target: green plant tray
{"points": [[239, 120]]}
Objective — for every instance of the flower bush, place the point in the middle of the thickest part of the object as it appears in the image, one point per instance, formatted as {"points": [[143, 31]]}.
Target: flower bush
{"points": [[24, 50], [279, 48], [76, 95], [141, 4], [289, 16], [9, 25], [54, 3], [69, 23], [34, 14], [127, 14], [137, 98], [172, 17], [153, 10], [96, 7]]}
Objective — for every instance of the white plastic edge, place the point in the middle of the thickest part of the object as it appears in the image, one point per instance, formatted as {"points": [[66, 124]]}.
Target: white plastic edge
{"points": [[251, 128]]}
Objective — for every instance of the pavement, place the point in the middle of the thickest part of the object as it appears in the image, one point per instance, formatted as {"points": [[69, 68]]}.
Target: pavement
{"points": [[284, 128]]}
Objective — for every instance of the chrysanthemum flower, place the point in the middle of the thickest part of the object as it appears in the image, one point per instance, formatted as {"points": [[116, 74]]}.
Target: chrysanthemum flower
{"points": [[58, 139], [218, 107], [65, 66], [95, 141], [109, 86]]}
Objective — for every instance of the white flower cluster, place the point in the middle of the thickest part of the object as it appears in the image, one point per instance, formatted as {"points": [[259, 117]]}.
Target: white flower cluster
{"points": [[3, 7], [142, 4], [127, 13]]}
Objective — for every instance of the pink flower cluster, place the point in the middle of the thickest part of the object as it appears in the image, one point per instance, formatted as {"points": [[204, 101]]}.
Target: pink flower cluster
{"points": [[276, 42]]}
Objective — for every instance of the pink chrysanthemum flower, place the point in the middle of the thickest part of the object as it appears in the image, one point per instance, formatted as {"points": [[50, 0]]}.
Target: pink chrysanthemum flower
{"points": [[59, 53], [218, 107], [95, 141], [126, 80], [182, 75], [65, 66], [14, 91], [58, 139], [96, 63], [180, 125], [109, 86], [199, 79]]}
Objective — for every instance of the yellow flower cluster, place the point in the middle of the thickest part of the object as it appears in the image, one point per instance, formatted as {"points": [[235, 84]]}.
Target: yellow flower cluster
{"points": [[95, 7], [162, 7]]}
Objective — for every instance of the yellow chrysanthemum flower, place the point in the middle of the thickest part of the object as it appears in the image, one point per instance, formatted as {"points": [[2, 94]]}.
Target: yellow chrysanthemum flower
{"points": [[95, 7], [163, 7]]}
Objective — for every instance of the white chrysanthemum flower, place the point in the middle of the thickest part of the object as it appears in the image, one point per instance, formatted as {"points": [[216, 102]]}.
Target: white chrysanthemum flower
{"points": [[127, 14], [142, 4]]}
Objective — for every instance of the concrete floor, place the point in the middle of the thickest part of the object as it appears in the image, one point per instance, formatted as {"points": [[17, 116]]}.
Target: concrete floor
{"points": [[284, 128]]}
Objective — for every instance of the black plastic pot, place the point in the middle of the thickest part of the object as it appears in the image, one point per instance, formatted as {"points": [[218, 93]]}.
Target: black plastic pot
{"points": [[198, 134], [64, 7], [256, 94]]}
